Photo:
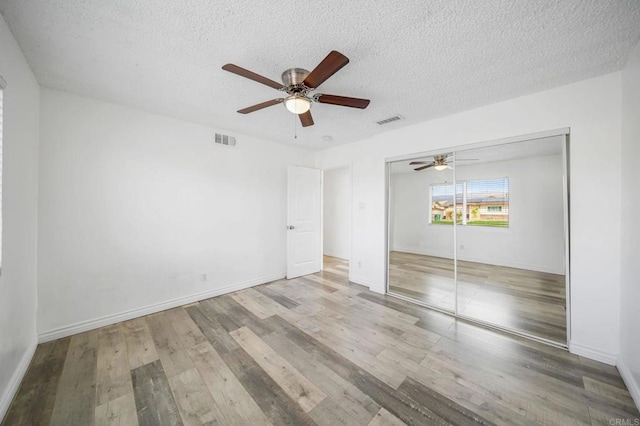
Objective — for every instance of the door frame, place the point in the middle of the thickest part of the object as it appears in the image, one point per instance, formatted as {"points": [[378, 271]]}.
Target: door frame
{"points": [[565, 132]]}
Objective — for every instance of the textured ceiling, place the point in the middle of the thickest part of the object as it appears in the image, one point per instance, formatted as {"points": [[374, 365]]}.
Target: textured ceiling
{"points": [[419, 59]]}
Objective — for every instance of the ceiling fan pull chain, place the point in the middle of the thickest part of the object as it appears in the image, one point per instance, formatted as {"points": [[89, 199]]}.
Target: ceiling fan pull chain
{"points": [[295, 127]]}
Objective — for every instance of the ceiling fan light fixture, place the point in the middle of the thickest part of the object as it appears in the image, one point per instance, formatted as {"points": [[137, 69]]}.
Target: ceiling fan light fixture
{"points": [[297, 83], [440, 166], [297, 104]]}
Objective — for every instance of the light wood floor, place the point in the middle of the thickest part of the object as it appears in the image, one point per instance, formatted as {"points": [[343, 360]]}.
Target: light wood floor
{"points": [[316, 349], [518, 299]]}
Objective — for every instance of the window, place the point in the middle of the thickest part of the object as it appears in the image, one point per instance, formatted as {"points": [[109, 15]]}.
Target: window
{"points": [[442, 202], [477, 203]]}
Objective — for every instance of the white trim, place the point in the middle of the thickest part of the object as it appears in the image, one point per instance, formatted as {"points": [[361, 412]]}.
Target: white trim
{"points": [[594, 354], [358, 280], [454, 218], [361, 281], [566, 202], [520, 138], [16, 379], [379, 290], [388, 238], [83, 326], [629, 380], [321, 219], [508, 264]]}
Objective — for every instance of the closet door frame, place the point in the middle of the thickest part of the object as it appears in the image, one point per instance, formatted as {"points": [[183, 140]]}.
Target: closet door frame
{"points": [[565, 133]]}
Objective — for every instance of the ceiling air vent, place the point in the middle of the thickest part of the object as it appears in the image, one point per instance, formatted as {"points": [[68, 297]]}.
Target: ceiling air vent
{"points": [[225, 140], [390, 119]]}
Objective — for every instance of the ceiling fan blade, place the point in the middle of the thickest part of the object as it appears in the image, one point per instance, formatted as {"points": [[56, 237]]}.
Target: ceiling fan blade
{"points": [[424, 167], [253, 108], [325, 69], [306, 119], [251, 75], [413, 163], [343, 101]]}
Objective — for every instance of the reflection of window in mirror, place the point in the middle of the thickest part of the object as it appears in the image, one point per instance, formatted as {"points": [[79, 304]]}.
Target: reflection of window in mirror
{"points": [[1, 132], [482, 202], [441, 202]]}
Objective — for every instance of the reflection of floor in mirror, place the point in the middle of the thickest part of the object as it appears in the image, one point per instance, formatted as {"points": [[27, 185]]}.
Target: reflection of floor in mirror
{"points": [[528, 301]]}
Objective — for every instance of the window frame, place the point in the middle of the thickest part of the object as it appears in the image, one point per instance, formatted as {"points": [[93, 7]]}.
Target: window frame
{"points": [[464, 220]]}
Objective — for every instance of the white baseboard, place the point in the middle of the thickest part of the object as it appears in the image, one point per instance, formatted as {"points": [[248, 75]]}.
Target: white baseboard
{"points": [[16, 379], [364, 282], [358, 280], [336, 255], [462, 257], [92, 324], [379, 290], [416, 250], [593, 354], [629, 380]]}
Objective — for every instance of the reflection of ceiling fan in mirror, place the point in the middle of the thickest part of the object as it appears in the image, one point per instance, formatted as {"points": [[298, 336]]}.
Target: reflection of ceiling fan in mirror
{"points": [[298, 84], [440, 162]]}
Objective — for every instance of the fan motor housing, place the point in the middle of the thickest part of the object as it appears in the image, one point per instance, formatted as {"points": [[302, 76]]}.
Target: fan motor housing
{"points": [[294, 76]]}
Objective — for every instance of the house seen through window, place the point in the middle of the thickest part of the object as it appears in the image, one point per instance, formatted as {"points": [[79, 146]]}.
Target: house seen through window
{"points": [[477, 203]]}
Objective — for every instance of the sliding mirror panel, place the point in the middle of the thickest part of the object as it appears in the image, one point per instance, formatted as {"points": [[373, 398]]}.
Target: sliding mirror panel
{"points": [[421, 234], [510, 237]]}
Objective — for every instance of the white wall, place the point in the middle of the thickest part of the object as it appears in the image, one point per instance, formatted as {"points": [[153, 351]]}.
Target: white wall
{"points": [[19, 215], [592, 109], [135, 209], [410, 231], [336, 215], [629, 363], [534, 239]]}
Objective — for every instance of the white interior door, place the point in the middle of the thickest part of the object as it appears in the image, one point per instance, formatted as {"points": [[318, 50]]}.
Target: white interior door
{"points": [[304, 230]]}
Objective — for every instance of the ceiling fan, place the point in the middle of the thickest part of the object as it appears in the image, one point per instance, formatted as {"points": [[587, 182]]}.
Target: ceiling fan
{"points": [[298, 84], [440, 162]]}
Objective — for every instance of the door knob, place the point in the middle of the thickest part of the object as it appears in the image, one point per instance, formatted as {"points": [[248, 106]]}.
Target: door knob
{"points": [[290, 227]]}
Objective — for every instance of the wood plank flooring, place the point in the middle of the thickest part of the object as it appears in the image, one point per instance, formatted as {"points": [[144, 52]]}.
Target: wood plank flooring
{"points": [[313, 350], [518, 299]]}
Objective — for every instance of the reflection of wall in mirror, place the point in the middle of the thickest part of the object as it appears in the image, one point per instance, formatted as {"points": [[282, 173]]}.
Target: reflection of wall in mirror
{"points": [[534, 239]]}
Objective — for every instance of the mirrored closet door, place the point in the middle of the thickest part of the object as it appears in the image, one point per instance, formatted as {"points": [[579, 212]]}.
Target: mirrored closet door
{"points": [[481, 233], [421, 256]]}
